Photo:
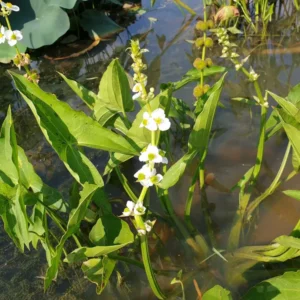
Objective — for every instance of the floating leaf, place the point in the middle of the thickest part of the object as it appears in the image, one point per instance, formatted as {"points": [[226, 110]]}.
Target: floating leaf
{"points": [[98, 25], [69, 4], [51, 21], [7, 53]]}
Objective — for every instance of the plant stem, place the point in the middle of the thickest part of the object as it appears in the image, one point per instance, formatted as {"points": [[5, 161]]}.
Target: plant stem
{"points": [[273, 186], [203, 48]]}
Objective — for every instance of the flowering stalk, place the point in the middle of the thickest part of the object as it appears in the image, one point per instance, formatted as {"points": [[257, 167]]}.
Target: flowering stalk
{"points": [[13, 37]]}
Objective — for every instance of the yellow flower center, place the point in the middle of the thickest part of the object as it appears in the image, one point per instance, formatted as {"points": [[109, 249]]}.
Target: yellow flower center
{"points": [[9, 5], [151, 156], [154, 179], [13, 37], [141, 176], [145, 122], [158, 121], [1, 35]]}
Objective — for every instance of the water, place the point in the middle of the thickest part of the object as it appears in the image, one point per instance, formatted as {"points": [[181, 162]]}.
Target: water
{"points": [[232, 150]]}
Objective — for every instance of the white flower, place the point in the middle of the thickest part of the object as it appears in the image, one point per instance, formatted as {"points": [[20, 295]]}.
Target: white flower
{"points": [[144, 174], [138, 88], [151, 154], [147, 122], [129, 210], [139, 209], [149, 225], [147, 176], [162, 123], [13, 36], [8, 6], [2, 35], [141, 231]]}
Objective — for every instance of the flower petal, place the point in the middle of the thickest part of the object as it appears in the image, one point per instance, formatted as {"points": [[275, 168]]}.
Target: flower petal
{"points": [[164, 125]]}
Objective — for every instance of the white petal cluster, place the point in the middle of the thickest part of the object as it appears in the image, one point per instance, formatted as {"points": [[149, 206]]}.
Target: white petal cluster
{"points": [[133, 209], [148, 227], [153, 155], [157, 120], [147, 176], [11, 36], [9, 7]]}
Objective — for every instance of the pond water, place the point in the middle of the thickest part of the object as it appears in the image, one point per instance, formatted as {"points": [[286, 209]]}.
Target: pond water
{"points": [[232, 150]]}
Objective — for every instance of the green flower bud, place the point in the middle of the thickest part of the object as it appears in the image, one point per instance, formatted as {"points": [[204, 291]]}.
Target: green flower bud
{"points": [[198, 91], [210, 24], [206, 87], [208, 42], [199, 42], [199, 64], [208, 62], [201, 25]]}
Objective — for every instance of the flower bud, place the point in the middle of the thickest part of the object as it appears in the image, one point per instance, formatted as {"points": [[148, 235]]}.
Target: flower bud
{"points": [[198, 91], [199, 42], [199, 64], [208, 42], [201, 25], [210, 24], [206, 87], [208, 62]]}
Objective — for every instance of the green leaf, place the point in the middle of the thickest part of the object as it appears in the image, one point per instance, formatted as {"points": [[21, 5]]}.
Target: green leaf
{"points": [[87, 96], [98, 25], [110, 230], [12, 214], [194, 75], [292, 129], [82, 253], [281, 287], [199, 137], [172, 176], [69, 4], [288, 107], [217, 293], [114, 88], [99, 271], [8, 152], [101, 113], [293, 193], [36, 230], [294, 94], [295, 162], [7, 53], [289, 241], [65, 128], [51, 21], [73, 225]]}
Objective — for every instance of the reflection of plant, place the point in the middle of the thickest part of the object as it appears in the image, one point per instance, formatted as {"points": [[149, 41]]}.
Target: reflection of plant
{"points": [[52, 20]]}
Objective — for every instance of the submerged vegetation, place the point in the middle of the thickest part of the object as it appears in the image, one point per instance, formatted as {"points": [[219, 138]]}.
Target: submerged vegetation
{"points": [[137, 125]]}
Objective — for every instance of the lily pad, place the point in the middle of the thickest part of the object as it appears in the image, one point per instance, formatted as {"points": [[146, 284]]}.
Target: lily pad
{"points": [[41, 24], [7, 53], [69, 4], [98, 25]]}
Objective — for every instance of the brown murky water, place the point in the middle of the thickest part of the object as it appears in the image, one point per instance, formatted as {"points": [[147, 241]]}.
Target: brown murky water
{"points": [[231, 152]]}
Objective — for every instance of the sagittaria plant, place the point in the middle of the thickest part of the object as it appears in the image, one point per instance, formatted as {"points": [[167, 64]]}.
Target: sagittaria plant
{"points": [[33, 213]]}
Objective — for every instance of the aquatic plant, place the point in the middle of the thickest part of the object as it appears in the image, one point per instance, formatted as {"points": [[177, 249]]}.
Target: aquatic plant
{"points": [[33, 212]]}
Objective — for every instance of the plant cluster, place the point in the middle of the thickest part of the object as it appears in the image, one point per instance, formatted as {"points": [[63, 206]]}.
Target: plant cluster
{"points": [[30, 209]]}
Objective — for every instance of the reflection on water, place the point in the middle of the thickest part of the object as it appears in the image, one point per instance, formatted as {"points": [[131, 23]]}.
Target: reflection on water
{"points": [[231, 152]]}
